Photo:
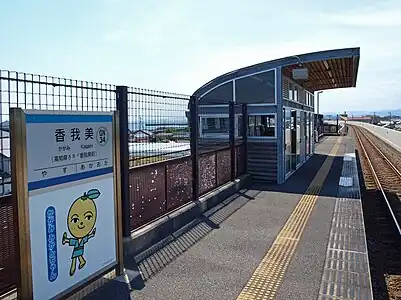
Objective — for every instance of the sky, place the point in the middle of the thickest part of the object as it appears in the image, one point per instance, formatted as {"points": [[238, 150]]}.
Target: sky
{"points": [[177, 46]]}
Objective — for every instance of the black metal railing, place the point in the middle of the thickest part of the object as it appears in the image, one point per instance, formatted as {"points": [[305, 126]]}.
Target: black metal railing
{"points": [[158, 188], [167, 158]]}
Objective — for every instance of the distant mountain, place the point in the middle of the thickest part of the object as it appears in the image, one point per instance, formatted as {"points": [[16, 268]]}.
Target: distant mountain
{"points": [[152, 122], [359, 113]]}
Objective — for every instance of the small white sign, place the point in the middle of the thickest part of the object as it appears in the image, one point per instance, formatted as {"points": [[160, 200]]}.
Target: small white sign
{"points": [[300, 74], [71, 199], [64, 147], [349, 156], [345, 181]]}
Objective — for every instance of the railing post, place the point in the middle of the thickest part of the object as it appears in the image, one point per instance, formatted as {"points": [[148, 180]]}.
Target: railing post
{"points": [[232, 138], [338, 127], [245, 135], [122, 107], [194, 130]]}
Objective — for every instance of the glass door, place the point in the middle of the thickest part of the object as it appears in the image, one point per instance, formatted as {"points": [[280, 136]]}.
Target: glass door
{"points": [[307, 126], [298, 137], [293, 126], [303, 136], [287, 140]]}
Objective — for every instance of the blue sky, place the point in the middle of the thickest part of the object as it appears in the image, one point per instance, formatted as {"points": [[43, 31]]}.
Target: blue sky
{"points": [[179, 45]]}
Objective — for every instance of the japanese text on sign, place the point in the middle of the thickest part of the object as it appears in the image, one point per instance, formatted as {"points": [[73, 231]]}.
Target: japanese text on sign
{"points": [[75, 134], [66, 148]]}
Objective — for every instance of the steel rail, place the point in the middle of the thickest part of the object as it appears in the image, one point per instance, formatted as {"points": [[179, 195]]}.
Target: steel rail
{"points": [[378, 184]]}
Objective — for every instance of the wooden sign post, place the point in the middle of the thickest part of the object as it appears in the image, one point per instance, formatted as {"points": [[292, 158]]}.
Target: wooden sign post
{"points": [[65, 179]]}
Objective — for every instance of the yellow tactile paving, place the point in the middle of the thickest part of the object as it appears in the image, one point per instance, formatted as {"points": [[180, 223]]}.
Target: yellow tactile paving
{"points": [[268, 276]]}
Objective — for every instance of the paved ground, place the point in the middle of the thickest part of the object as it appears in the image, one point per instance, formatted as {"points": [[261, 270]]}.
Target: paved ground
{"points": [[303, 276], [216, 255]]}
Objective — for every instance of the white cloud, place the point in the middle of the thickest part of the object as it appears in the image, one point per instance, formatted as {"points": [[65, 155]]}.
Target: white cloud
{"points": [[376, 77], [179, 46]]}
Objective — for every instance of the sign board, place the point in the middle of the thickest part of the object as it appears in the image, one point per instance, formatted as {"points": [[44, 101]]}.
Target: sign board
{"points": [[300, 74], [71, 210]]}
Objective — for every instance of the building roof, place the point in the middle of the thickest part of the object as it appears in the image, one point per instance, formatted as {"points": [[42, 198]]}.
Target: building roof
{"points": [[141, 133], [329, 69]]}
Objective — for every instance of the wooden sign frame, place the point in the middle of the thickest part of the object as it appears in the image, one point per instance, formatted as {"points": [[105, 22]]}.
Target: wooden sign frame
{"points": [[19, 164]]}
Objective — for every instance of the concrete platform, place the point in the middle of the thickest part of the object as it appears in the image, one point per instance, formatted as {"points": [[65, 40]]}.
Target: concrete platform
{"points": [[303, 239]]}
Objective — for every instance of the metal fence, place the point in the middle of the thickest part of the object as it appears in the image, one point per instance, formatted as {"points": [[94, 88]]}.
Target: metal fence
{"points": [[158, 126], [330, 129], [165, 161], [30, 91], [162, 186], [9, 268], [158, 188]]}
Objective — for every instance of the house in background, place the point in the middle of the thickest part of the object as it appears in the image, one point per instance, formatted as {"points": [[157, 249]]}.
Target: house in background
{"points": [[141, 136], [366, 119], [5, 163]]}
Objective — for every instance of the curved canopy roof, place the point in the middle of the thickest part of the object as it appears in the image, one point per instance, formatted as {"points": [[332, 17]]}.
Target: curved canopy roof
{"points": [[329, 69]]}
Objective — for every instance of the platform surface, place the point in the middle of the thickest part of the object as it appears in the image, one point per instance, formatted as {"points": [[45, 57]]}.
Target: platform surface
{"points": [[303, 239]]}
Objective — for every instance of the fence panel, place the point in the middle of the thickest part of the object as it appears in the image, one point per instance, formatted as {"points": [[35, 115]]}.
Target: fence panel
{"points": [[207, 172], [147, 193], [8, 249], [158, 126], [223, 166], [161, 174], [179, 182], [29, 91]]}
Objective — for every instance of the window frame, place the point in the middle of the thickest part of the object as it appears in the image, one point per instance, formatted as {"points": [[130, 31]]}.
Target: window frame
{"points": [[291, 93], [215, 116], [275, 69], [263, 137]]}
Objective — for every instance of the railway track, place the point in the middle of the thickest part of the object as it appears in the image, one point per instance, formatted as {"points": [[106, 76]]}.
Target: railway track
{"points": [[380, 165]]}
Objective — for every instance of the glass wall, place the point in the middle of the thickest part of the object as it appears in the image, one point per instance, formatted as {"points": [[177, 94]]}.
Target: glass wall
{"points": [[298, 139], [287, 140], [218, 125], [262, 125], [258, 88], [312, 133], [307, 141], [215, 125], [303, 134], [219, 95]]}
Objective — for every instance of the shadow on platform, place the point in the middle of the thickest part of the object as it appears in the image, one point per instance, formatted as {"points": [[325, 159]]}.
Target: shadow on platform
{"points": [[145, 265], [148, 263], [299, 181], [116, 289]]}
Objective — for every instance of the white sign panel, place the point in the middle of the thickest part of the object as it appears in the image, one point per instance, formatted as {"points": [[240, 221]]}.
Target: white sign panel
{"points": [[300, 74], [71, 199]]}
